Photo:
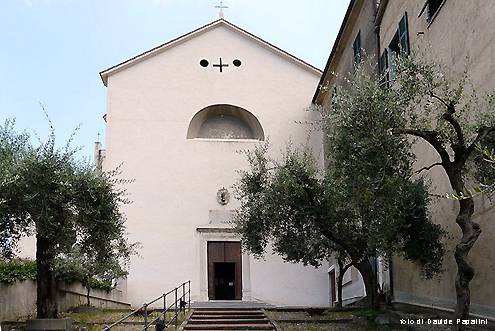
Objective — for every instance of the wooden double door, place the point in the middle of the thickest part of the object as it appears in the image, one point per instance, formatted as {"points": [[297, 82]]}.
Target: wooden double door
{"points": [[224, 270]]}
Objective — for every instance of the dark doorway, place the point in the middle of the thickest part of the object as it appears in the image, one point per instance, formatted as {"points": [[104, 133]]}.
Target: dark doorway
{"points": [[224, 281], [224, 270]]}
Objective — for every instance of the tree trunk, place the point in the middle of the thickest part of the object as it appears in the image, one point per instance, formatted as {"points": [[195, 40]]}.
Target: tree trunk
{"points": [[470, 233], [46, 303], [370, 283], [88, 289], [465, 271]]}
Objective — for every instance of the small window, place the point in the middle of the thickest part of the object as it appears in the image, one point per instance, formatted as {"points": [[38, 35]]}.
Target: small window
{"points": [[383, 66], [398, 45], [404, 35], [356, 46], [394, 45], [334, 94], [400, 41], [433, 7], [383, 61]]}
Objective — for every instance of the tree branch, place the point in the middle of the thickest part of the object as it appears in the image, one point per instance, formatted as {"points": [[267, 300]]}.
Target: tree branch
{"points": [[457, 127], [439, 99], [343, 266], [353, 253], [430, 137], [449, 118], [346, 266]]}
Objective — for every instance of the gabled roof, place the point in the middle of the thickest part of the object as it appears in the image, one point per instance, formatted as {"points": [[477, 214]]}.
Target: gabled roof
{"points": [[161, 48]]}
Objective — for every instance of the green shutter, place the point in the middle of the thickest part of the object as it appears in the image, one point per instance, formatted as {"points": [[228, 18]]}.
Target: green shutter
{"points": [[383, 67], [404, 35], [356, 46]]}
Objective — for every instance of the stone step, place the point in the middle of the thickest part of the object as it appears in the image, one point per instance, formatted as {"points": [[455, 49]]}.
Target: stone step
{"points": [[260, 316], [224, 319], [228, 312], [227, 326], [227, 309], [229, 321]]}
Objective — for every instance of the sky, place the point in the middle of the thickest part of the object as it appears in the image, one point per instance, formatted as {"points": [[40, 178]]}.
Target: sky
{"points": [[52, 51]]}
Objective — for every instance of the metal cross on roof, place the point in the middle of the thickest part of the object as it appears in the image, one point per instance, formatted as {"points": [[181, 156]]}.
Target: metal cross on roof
{"points": [[221, 7]]}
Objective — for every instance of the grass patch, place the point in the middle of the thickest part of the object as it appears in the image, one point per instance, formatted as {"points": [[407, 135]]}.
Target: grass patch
{"points": [[330, 314], [336, 314], [370, 314], [102, 317], [320, 327], [328, 320], [283, 315]]}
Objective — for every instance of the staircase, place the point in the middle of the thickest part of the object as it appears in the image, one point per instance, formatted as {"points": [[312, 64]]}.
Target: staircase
{"points": [[213, 319]]}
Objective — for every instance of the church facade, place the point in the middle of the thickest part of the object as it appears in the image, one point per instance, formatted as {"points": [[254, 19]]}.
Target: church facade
{"points": [[177, 118]]}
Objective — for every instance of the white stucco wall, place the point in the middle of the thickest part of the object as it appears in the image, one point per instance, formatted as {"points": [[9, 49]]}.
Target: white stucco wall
{"points": [[150, 105]]}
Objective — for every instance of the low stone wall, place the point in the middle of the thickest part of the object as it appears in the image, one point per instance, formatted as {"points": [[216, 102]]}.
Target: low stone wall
{"points": [[74, 295], [19, 299]]}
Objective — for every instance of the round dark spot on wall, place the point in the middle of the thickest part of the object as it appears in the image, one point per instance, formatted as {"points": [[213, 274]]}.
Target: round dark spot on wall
{"points": [[237, 63], [204, 63]]}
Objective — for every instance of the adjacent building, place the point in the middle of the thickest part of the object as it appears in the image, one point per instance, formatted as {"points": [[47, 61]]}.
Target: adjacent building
{"points": [[459, 35]]}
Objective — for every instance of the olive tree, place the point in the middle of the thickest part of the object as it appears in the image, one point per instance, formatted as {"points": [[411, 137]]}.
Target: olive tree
{"points": [[98, 270], [442, 109], [365, 204], [12, 148], [47, 192]]}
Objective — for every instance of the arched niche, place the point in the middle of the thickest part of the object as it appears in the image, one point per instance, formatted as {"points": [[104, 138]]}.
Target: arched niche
{"points": [[225, 122]]}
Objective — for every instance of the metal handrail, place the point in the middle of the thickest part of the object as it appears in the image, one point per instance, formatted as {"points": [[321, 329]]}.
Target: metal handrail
{"points": [[166, 309]]}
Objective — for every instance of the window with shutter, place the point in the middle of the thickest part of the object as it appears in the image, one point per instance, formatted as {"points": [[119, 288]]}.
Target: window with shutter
{"points": [[433, 7], [383, 66], [400, 41], [356, 46], [398, 45], [404, 35]]}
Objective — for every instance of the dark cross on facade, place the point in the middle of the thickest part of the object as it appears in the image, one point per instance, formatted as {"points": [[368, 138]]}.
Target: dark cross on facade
{"points": [[221, 7], [221, 65]]}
